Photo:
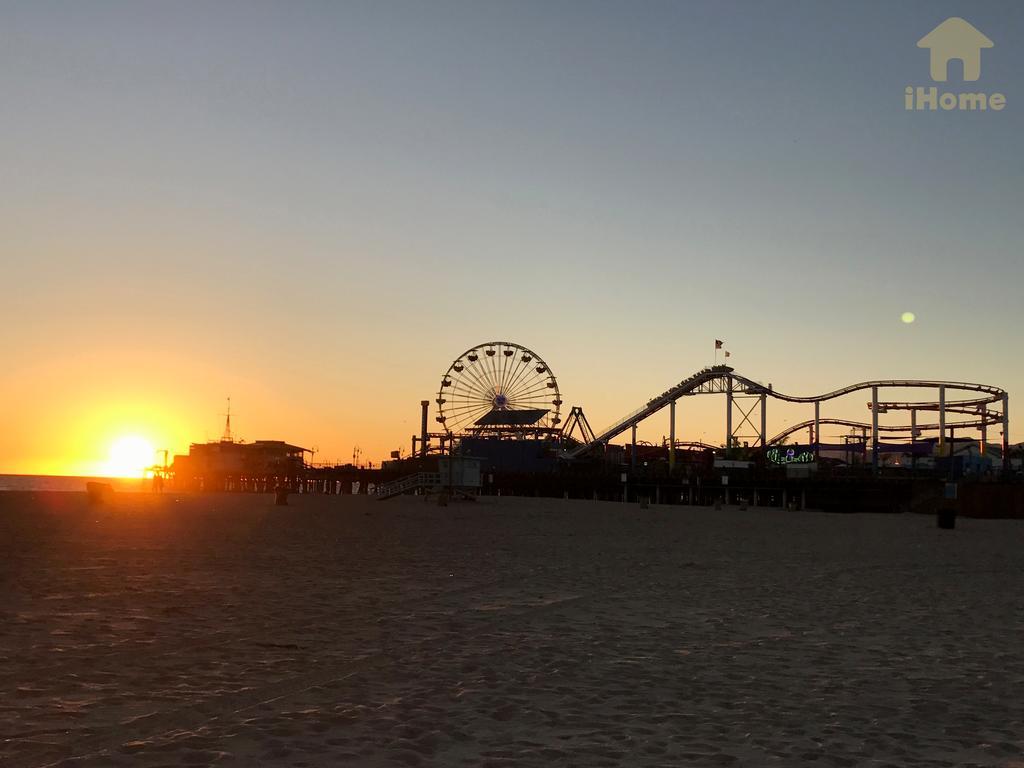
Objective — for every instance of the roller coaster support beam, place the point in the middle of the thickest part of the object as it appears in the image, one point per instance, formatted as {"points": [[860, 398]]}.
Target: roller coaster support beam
{"points": [[671, 435], [817, 428], [632, 451], [984, 430], [1006, 432], [874, 429], [764, 421], [913, 439], [728, 415], [942, 417]]}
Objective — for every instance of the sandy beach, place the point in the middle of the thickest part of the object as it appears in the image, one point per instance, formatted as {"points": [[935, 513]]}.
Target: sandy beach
{"points": [[219, 629]]}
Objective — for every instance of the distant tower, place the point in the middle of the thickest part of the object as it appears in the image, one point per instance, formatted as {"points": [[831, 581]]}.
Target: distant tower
{"points": [[226, 437]]}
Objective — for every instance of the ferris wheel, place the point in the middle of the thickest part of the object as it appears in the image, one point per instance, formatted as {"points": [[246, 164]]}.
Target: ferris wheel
{"points": [[498, 387]]}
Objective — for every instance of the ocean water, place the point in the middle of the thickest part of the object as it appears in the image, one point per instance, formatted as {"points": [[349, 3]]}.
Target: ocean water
{"points": [[68, 484]]}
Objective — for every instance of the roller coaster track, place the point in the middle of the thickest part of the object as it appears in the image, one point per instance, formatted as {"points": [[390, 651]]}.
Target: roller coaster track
{"points": [[881, 427], [724, 379]]}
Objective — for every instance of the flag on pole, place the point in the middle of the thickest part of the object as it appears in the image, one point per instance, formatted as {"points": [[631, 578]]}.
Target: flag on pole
{"points": [[718, 344]]}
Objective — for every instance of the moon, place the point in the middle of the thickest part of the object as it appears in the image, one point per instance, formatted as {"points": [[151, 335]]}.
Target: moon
{"points": [[908, 317]]}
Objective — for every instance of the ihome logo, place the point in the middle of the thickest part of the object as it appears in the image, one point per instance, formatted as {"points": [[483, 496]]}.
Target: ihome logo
{"points": [[953, 40]]}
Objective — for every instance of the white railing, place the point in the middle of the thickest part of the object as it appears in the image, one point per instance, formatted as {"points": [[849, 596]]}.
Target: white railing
{"points": [[407, 483]]}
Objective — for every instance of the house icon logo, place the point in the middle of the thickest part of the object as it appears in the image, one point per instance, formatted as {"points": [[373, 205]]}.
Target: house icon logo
{"points": [[955, 39]]}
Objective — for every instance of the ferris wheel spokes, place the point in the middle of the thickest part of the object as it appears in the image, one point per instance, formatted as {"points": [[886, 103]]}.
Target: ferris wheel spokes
{"points": [[498, 377]]}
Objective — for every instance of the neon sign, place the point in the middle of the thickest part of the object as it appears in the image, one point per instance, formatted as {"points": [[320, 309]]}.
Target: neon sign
{"points": [[789, 456]]}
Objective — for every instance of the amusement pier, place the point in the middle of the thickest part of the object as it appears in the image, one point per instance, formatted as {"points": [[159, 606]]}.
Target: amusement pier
{"points": [[497, 426]]}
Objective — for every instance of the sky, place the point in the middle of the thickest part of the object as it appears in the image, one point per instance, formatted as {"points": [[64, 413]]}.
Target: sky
{"points": [[314, 207]]}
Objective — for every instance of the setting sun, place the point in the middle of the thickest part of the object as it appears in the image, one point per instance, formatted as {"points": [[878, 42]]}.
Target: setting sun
{"points": [[129, 457]]}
